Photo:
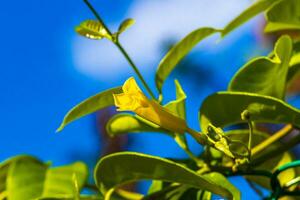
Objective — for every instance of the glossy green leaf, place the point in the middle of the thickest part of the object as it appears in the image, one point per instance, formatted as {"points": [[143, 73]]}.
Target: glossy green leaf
{"points": [[204, 195], [90, 105], [170, 192], [263, 75], [4, 169], [94, 197], [183, 192], [257, 8], [155, 186], [28, 178], [177, 107], [125, 25], [223, 181], [179, 192], [284, 16], [180, 50], [61, 179], [28, 175], [92, 29], [116, 169], [225, 108], [124, 123]]}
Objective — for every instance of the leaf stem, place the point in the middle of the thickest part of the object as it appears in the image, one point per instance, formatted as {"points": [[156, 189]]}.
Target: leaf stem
{"points": [[134, 67], [197, 136], [250, 124], [273, 138], [120, 47], [97, 16], [271, 154]]}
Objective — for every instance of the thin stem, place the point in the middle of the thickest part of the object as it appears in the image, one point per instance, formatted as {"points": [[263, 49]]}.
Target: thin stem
{"points": [[292, 182], [252, 173], [271, 154], [275, 137], [97, 16], [117, 43], [250, 135], [120, 47]]}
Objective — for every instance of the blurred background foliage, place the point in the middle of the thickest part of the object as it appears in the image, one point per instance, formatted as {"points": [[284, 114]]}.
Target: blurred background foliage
{"points": [[46, 68]]}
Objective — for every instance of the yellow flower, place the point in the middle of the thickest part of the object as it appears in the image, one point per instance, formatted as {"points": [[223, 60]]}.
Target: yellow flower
{"points": [[133, 99]]}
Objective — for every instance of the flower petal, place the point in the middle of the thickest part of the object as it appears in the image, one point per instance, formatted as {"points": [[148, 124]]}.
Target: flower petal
{"points": [[122, 100], [130, 86]]}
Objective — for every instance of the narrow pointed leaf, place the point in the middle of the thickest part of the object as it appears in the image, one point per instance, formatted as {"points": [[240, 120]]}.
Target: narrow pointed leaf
{"points": [[92, 29], [284, 16], [90, 105], [125, 25], [225, 108], [180, 50], [116, 169], [257, 8], [178, 108], [258, 75]]}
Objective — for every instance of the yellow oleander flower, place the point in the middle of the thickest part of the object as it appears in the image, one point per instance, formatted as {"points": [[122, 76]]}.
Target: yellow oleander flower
{"points": [[133, 99]]}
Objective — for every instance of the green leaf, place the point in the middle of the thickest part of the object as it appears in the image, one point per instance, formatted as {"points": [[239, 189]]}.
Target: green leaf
{"points": [[225, 108], [125, 25], [177, 107], [263, 75], [155, 186], [223, 181], [284, 16], [257, 8], [4, 168], [92, 29], [179, 192], [116, 169], [28, 178], [90, 105], [94, 197], [61, 179], [124, 123], [180, 50], [170, 192]]}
